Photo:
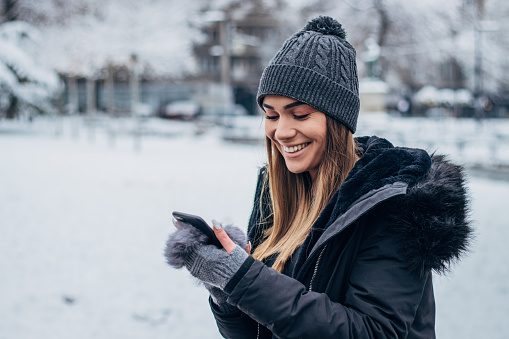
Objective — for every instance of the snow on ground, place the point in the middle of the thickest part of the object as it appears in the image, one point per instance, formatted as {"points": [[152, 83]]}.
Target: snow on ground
{"points": [[84, 218]]}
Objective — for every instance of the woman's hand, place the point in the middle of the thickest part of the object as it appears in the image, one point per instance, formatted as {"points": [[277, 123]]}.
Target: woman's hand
{"points": [[179, 249], [225, 240], [188, 238]]}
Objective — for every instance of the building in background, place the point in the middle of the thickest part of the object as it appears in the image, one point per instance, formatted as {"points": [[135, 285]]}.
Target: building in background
{"points": [[231, 59], [129, 57]]}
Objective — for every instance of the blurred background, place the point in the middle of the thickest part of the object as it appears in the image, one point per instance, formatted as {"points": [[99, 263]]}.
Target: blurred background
{"points": [[114, 113]]}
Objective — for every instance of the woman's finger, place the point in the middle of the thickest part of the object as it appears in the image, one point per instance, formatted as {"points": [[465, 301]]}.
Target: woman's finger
{"points": [[248, 248], [175, 223], [223, 237]]}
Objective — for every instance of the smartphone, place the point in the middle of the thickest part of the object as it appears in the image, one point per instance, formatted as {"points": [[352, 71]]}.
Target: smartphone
{"points": [[198, 223]]}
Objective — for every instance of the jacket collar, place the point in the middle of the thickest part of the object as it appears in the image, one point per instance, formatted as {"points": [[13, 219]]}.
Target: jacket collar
{"points": [[429, 215], [380, 164]]}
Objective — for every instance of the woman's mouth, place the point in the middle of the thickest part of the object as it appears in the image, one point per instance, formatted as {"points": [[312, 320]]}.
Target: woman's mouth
{"points": [[294, 149]]}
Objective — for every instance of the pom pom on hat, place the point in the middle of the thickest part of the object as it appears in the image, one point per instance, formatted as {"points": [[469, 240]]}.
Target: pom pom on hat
{"points": [[326, 25]]}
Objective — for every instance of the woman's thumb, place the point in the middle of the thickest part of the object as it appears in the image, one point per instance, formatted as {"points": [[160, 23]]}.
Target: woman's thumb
{"points": [[223, 237]]}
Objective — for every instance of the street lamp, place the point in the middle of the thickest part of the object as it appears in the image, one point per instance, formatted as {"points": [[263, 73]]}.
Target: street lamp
{"points": [[223, 51], [135, 99], [480, 27]]}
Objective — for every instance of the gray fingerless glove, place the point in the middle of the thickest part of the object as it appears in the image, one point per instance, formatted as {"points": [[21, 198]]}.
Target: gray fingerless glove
{"points": [[184, 242], [186, 239], [215, 266]]}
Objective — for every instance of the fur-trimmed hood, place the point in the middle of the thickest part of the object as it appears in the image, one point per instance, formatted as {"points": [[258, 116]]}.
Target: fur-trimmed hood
{"points": [[431, 218], [427, 204]]}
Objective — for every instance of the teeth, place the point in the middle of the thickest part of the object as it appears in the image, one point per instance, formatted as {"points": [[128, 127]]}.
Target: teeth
{"points": [[294, 149]]}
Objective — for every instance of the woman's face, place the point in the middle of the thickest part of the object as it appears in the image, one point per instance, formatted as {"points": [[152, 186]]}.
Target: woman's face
{"points": [[299, 132]]}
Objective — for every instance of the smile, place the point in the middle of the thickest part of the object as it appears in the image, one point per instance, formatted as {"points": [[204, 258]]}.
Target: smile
{"points": [[294, 149]]}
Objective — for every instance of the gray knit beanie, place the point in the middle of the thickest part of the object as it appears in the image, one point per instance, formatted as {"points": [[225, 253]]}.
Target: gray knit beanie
{"points": [[316, 66]]}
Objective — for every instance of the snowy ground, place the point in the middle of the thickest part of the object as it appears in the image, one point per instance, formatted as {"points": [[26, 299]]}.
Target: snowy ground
{"points": [[84, 218]]}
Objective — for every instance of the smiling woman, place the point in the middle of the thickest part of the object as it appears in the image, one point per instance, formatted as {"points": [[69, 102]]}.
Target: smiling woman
{"points": [[345, 233], [304, 141], [298, 131]]}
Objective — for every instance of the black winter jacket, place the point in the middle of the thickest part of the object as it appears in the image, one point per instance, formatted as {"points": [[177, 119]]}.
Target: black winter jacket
{"points": [[365, 269]]}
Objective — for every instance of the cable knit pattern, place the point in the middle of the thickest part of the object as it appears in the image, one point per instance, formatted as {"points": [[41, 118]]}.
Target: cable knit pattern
{"points": [[214, 266], [321, 57], [316, 66]]}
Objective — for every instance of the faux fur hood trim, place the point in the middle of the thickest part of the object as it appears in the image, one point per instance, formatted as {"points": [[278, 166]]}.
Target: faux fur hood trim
{"points": [[432, 219], [380, 164]]}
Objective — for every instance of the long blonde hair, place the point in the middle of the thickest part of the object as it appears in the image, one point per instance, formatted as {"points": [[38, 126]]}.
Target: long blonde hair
{"points": [[296, 201]]}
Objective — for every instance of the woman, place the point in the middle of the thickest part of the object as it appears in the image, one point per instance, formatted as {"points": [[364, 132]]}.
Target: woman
{"points": [[345, 232]]}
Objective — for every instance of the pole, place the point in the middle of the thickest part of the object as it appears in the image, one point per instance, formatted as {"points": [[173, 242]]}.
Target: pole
{"points": [[91, 108], [73, 104], [110, 90], [478, 84], [225, 56], [135, 99], [225, 76]]}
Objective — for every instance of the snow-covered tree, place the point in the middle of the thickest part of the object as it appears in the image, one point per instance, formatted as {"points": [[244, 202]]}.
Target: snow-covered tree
{"points": [[495, 46], [25, 83], [422, 40], [419, 41], [85, 37]]}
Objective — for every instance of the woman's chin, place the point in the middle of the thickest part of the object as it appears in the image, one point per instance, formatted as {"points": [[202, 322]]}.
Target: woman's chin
{"points": [[296, 169]]}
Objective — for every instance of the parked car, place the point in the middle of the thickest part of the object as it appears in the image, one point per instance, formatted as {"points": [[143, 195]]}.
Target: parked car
{"points": [[181, 109]]}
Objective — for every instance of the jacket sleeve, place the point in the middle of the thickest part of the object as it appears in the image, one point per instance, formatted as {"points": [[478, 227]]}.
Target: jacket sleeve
{"points": [[381, 298], [234, 324]]}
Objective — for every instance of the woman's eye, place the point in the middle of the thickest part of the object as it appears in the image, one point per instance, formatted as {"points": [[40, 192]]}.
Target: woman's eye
{"points": [[301, 116], [271, 117]]}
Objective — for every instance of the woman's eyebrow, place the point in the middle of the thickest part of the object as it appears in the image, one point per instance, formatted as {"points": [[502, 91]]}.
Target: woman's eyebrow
{"points": [[293, 104], [268, 106]]}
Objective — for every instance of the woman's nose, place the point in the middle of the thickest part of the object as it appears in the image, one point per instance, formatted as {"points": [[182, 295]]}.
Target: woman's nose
{"points": [[285, 129]]}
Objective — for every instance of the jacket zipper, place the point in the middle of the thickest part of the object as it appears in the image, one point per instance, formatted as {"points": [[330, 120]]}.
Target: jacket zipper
{"points": [[315, 271], [299, 274]]}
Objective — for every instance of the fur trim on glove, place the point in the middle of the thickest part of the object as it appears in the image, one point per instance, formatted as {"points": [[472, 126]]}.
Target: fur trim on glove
{"points": [[187, 238]]}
